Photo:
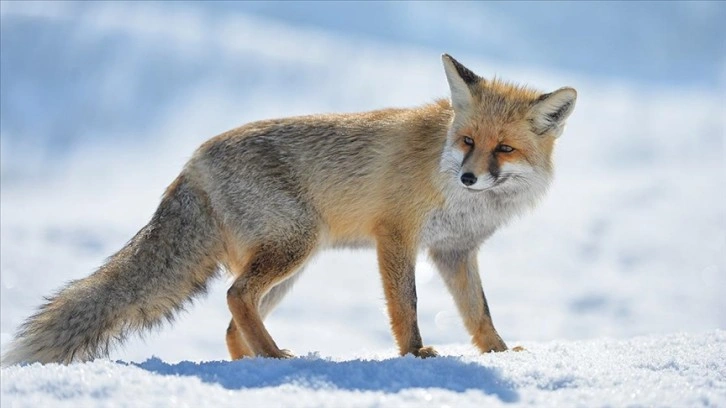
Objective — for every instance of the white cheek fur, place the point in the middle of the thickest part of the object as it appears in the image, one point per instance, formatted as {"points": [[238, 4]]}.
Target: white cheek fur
{"points": [[454, 155], [451, 160], [516, 168]]}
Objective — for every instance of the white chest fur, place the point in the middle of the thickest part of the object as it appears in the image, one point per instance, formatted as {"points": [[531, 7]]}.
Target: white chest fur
{"points": [[468, 218]]}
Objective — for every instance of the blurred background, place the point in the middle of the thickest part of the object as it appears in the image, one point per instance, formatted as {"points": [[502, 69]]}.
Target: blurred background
{"points": [[101, 103]]}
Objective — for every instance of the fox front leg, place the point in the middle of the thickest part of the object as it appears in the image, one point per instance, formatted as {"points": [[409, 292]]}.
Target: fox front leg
{"points": [[396, 261], [460, 271]]}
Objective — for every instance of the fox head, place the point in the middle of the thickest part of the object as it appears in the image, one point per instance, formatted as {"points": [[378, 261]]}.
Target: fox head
{"points": [[502, 136]]}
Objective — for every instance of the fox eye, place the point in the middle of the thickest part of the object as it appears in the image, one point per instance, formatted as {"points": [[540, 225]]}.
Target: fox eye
{"points": [[468, 141], [505, 148]]}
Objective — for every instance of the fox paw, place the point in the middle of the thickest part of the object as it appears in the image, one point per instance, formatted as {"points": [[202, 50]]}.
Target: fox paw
{"points": [[425, 352], [281, 354], [517, 349], [491, 343]]}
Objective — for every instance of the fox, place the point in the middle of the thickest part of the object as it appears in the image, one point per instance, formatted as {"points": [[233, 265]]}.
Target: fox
{"points": [[260, 200]]}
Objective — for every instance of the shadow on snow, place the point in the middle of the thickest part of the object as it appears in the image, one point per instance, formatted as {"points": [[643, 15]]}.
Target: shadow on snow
{"points": [[390, 375]]}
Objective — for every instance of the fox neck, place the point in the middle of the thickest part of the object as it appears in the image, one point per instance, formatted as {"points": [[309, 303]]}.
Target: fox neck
{"points": [[467, 218]]}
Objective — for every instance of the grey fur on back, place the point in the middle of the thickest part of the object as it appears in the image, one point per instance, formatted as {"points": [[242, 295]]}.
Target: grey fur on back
{"points": [[163, 266]]}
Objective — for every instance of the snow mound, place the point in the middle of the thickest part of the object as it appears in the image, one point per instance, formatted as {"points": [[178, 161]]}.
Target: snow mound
{"points": [[675, 370]]}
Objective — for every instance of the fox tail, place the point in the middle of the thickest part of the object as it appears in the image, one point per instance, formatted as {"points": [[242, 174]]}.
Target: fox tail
{"points": [[167, 263]]}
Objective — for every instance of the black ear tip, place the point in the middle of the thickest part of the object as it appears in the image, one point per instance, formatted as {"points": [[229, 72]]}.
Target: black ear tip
{"points": [[452, 59], [465, 73]]}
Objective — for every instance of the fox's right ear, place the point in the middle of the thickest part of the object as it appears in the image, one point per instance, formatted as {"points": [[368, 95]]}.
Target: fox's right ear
{"points": [[461, 79]]}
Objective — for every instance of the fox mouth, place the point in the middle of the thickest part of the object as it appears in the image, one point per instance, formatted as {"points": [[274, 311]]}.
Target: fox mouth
{"points": [[498, 182], [477, 190]]}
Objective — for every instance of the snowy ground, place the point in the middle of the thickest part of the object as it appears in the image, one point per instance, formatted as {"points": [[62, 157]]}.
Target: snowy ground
{"points": [[616, 284], [672, 370]]}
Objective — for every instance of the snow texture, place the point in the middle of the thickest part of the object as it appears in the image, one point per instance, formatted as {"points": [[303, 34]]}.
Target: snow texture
{"points": [[615, 284], [671, 370]]}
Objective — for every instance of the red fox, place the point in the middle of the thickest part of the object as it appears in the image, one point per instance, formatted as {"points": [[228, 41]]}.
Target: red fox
{"points": [[260, 199]]}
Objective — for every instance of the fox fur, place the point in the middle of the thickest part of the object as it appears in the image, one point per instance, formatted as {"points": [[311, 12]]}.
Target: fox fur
{"points": [[261, 199]]}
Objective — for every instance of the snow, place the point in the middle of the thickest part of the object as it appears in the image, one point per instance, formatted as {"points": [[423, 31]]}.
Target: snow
{"points": [[675, 370], [615, 284]]}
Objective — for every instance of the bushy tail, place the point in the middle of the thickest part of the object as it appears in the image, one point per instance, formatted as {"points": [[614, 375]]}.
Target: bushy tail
{"points": [[160, 269]]}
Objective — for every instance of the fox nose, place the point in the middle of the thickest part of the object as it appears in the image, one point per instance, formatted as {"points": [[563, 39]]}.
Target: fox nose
{"points": [[468, 179]]}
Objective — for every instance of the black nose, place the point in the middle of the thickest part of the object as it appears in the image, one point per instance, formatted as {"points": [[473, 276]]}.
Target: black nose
{"points": [[468, 179]]}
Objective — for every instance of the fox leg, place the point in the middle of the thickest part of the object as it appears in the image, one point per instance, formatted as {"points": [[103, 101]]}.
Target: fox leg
{"points": [[270, 265], [396, 261], [460, 272], [275, 295], [236, 344]]}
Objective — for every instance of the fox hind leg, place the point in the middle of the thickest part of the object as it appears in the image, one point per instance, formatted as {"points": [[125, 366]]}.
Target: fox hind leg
{"points": [[236, 344], [275, 295], [271, 264]]}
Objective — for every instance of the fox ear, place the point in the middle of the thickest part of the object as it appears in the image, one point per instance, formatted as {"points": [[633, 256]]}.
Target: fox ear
{"points": [[460, 80], [550, 111]]}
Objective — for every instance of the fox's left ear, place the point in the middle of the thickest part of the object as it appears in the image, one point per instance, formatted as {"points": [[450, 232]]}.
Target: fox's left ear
{"points": [[550, 111]]}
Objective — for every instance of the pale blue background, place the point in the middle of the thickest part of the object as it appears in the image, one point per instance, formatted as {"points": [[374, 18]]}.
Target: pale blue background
{"points": [[51, 77], [102, 103]]}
